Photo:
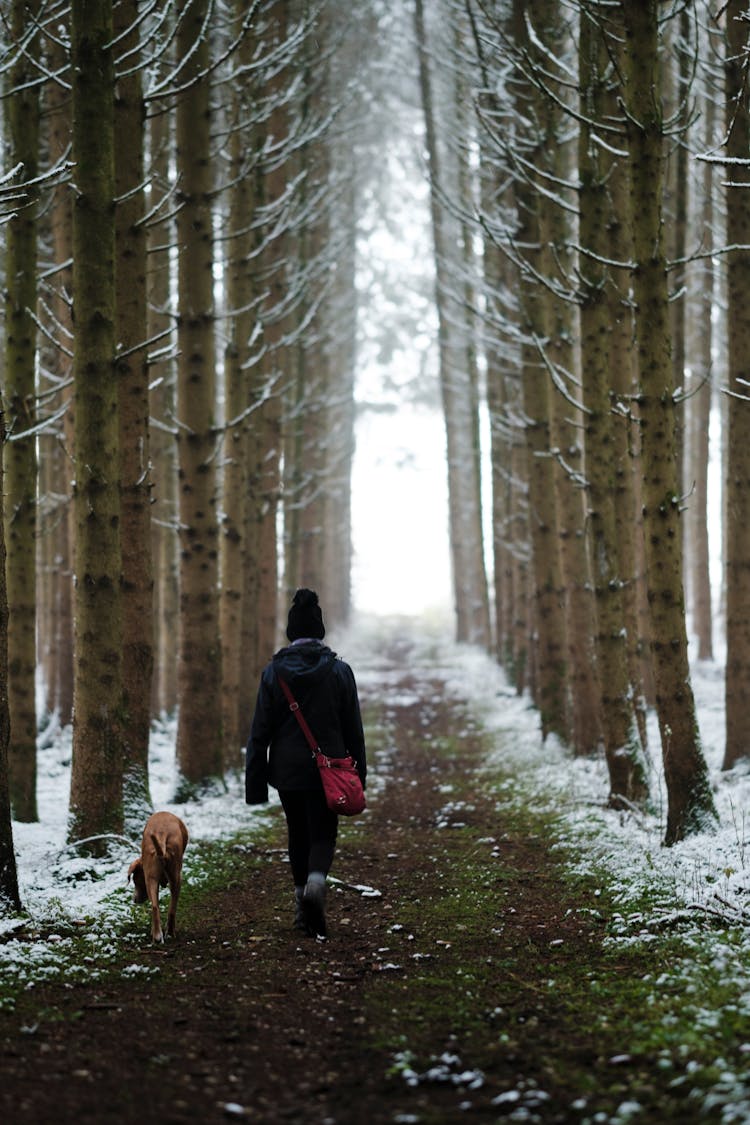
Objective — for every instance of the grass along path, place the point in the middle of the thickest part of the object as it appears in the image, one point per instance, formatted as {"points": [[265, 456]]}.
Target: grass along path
{"points": [[535, 1000], [469, 975]]}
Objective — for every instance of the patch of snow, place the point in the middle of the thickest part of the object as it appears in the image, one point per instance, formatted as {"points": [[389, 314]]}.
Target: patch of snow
{"points": [[68, 896]]}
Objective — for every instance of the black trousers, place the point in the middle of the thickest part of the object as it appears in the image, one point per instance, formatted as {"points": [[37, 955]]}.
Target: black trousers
{"points": [[312, 829]]}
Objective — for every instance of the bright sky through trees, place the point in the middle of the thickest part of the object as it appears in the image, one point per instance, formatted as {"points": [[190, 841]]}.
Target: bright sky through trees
{"points": [[399, 516], [399, 483]]}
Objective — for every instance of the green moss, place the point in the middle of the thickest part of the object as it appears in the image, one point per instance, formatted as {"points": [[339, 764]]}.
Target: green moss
{"points": [[606, 1020], [122, 925], [506, 956]]}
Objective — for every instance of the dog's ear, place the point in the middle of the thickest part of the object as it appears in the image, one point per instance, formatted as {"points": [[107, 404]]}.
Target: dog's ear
{"points": [[136, 863]]}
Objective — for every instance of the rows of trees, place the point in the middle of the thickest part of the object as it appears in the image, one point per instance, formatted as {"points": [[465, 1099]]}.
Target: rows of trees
{"points": [[185, 192], [178, 377], [596, 248]]}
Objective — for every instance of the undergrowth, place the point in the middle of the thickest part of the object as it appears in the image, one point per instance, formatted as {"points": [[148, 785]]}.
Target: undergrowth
{"points": [[95, 947], [518, 973], [604, 1020]]}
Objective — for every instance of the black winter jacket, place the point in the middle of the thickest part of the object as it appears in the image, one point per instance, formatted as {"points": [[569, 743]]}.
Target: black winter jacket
{"points": [[324, 687]]}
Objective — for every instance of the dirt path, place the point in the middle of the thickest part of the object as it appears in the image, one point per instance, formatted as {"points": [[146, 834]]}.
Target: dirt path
{"points": [[431, 1001]]}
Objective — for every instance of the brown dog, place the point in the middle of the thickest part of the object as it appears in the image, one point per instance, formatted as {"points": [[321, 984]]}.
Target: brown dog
{"points": [[165, 838]]}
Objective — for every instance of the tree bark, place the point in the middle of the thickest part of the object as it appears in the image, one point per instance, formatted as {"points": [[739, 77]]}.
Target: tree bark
{"points": [[699, 402], [597, 169], [679, 62], [308, 389], [458, 395], [199, 733], [738, 342], [625, 440], [163, 399], [549, 624], [270, 375], [562, 354], [98, 744], [22, 122], [337, 547], [241, 300], [319, 415], [133, 379], [690, 802], [255, 654], [468, 303], [56, 451], [502, 359], [8, 873]]}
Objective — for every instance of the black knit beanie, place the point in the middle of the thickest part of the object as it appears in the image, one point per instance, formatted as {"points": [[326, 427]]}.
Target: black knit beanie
{"points": [[305, 618]]}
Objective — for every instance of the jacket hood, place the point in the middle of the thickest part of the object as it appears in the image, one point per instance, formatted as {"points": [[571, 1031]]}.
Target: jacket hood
{"points": [[308, 662]]}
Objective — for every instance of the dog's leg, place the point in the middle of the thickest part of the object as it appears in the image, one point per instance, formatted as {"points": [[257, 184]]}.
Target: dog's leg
{"points": [[153, 894]]}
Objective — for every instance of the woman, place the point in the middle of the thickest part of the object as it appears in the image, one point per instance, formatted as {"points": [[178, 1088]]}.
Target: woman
{"points": [[277, 753]]}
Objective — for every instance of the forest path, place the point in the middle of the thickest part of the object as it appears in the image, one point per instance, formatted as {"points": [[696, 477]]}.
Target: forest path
{"points": [[461, 991]]}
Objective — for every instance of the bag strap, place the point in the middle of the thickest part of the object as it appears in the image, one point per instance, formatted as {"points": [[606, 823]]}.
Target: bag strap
{"points": [[294, 707]]}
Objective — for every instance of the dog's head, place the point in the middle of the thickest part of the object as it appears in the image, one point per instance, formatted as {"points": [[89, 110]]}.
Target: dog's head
{"points": [[139, 881]]}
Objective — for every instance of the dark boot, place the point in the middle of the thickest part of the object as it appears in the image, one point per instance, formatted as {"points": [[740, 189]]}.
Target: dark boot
{"points": [[313, 907]]}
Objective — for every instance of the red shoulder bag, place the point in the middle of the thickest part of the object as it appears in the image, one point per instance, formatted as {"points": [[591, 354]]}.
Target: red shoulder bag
{"points": [[341, 782]]}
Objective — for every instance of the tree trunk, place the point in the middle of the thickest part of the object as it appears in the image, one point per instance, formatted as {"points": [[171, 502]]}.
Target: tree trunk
{"points": [[337, 547], [319, 416], [500, 456], [468, 304], [343, 337], [269, 379], [255, 655], [458, 394], [561, 353], [690, 803], [628, 516], [582, 667], [546, 564], [501, 352], [199, 734], [738, 337], [8, 873], [57, 542], [551, 647], [521, 621], [308, 387], [133, 378], [165, 516], [98, 746], [496, 272], [596, 171], [699, 402], [677, 177], [22, 122], [241, 297]]}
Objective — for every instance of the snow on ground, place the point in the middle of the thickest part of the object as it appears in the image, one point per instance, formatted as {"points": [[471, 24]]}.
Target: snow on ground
{"points": [[709, 871], [61, 886]]}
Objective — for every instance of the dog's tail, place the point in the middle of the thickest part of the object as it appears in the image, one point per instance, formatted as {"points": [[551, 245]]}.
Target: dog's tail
{"points": [[159, 846]]}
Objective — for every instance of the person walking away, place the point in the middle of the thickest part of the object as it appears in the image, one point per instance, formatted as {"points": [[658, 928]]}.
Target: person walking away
{"points": [[278, 755]]}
